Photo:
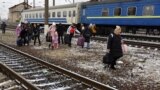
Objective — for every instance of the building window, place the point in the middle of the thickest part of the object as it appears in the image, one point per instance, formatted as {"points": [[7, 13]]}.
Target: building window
{"points": [[69, 14], [131, 11], [64, 13], [53, 14], [148, 10], [74, 13], [105, 12], [117, 11], [58, 14]]}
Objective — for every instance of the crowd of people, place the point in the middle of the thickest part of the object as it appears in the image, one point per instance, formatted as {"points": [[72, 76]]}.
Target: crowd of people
{"points": [[26, 32], [115, 47]]}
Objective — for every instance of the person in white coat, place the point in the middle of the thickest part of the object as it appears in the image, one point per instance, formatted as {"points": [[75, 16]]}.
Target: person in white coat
{"points": [[71, 31]]}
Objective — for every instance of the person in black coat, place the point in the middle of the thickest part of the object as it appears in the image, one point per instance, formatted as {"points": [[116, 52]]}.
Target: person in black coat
{"points": [[3, 27], [36, 33], [114, 46], [60, 30], [87, 35], [23, 34]]}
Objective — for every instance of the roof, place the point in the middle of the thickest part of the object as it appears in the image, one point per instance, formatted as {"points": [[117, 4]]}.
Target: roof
{"points": [[53, 7], [19, 4]]}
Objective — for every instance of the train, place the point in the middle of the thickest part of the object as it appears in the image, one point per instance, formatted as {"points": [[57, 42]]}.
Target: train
{"points": [[131, 15]]}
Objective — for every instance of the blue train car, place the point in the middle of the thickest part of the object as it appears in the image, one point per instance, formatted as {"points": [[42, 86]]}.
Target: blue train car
{"points": [[130, 14]]}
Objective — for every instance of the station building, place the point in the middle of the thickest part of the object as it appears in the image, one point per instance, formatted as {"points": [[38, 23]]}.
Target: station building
{"points": [[15, 12]]}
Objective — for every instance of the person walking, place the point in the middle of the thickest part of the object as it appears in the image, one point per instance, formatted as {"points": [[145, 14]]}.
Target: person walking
{"points": [[3, 27], [114, 47], [36, 33], [71, 31], [87, 35], [23, 34], [18, 30], [60, 30], [54, 34]]}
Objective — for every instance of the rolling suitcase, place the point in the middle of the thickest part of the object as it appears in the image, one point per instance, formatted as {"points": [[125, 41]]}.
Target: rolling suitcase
{"points": [[80, 41], [66, 38]]}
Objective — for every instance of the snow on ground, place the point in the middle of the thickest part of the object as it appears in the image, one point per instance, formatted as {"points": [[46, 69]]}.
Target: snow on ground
{"points": [[145, 62], [137, 64]]}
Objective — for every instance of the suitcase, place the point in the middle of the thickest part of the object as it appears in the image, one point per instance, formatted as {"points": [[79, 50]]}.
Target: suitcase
{"points": [[66, 38], [19, 42], [80, 41], [48, 37], [107, 58]]}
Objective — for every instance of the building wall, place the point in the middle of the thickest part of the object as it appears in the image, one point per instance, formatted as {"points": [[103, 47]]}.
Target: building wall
{"points": [[15, 13]]}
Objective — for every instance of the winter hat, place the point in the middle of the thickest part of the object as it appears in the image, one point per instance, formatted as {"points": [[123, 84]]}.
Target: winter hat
{"points": [[19, 25], [53, 23], [118, 27]]}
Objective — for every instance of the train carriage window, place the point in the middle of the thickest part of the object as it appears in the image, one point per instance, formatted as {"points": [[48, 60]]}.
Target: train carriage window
{"points": [[58, 14], [74, 13], [29, 15], [32, 15], [131, 11], [148, 10], [36, 15], [40, 15], [64, 13], [49, 14], [117, 11], [84, 12], [69, 14], [105, 12], [53, 14]]}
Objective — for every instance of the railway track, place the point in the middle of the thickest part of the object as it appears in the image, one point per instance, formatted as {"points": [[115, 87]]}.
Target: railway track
{"points": [[140, 37], [37, 74], [138, 43], [8, 83]]}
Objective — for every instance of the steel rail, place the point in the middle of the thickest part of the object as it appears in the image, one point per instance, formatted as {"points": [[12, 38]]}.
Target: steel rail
{"points": [[14, 75], [86, 81], [132, 42]]}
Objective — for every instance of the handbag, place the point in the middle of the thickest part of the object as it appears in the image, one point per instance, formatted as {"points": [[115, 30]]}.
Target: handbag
{"points": [[107, 59], [48, 37]]}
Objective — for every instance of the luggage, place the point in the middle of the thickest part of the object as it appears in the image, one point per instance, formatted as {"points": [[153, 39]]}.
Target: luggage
{"points": [[19, 42], [48, 37], [80, 41], [107, 58], [66, 38], [124, 48]]}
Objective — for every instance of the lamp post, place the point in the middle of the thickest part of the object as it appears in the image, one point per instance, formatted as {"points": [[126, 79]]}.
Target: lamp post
{"points": [[46, 17]]}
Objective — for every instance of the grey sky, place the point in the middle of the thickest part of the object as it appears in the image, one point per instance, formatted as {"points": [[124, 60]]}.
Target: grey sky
{"points": [[5, 4]]}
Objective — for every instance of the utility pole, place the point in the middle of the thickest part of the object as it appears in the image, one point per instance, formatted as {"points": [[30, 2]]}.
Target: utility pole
{"points": [[53, 2], [46, 17], [33, 3]]}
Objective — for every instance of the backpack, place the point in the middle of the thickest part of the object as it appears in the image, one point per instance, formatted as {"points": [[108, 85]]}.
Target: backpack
{"points": [[72, 30]]}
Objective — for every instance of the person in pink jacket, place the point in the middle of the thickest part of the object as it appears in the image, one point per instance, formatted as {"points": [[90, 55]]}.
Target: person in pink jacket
{"points": [[54, 34], [18, 30]]}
